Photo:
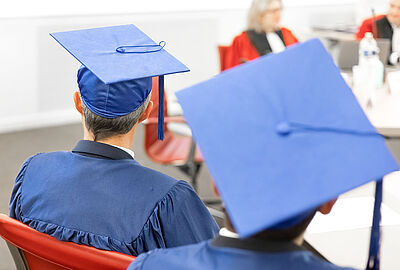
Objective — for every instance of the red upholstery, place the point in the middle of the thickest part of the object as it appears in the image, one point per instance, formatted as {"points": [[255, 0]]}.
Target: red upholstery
{"points": [[222, 50], [173, 149], [242, 49], [42, 251], [368, 26]]}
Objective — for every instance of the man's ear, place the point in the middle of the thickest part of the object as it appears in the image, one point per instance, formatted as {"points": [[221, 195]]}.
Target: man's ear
{"points": [[78, 102], [327, 207], [147, 112]]}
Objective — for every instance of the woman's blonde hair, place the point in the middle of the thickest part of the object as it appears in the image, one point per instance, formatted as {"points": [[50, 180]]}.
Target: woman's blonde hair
{"points": [[258, 7]]}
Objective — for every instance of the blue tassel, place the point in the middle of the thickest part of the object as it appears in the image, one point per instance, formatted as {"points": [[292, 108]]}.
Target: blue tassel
{"points": [[161, 108], [374, 246]]}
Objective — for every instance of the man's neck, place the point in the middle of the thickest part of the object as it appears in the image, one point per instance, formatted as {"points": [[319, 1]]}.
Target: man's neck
{"points": [[123, 140], [299, 240], [230, 232], [118, 141]]}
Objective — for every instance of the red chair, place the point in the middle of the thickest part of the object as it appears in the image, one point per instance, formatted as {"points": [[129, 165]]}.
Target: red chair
{"points": [[176, 150], [35, 250], [222, 50]]}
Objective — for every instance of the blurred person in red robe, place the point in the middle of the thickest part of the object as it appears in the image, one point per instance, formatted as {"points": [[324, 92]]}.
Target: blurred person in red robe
{"points": [[385, 26], [263, 35]]}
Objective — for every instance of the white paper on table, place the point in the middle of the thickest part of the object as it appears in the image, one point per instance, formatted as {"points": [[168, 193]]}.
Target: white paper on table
{"points": [[393, 81], [351, 214]]}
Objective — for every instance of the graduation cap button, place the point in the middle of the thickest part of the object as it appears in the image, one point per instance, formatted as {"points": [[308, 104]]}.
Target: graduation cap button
{"points": [[283, 128]]}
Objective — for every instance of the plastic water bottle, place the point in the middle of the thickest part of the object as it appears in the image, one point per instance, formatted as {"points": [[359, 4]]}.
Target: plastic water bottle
{"points": [[371, 69]]}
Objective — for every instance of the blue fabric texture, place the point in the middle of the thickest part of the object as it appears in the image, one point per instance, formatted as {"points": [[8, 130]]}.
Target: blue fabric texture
{"points": [[109, 204], [205, 256]]}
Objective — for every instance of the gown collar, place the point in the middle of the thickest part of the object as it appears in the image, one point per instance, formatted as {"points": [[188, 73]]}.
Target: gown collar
{"points": [[255, 244], [227, 233], [100, 150], [260, 41]]}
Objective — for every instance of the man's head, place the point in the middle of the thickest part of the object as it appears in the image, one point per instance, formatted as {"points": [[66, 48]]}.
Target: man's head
{"points": [[394, 12], [113, 109], [118, 64], [101, 128], [291, 233], [298, 149]]}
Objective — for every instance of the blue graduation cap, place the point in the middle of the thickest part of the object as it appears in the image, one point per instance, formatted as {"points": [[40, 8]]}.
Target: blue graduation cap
{"points": [[282, 135], [118, 65]]}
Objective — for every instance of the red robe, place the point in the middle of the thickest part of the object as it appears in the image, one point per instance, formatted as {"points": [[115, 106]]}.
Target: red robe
{"points": [[368, 25], [242, 50]]}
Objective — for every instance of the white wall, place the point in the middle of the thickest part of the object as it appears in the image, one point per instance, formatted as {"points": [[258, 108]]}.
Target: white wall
{"points": [[41, 8], [364, 8], [38, 76]]}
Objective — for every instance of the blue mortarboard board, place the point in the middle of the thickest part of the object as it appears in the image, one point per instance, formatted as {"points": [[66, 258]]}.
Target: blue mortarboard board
{"points": [[118, 64], [282, 135]]}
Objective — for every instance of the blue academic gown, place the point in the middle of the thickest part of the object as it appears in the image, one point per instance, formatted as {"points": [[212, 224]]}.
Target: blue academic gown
{"points": [[98, 195], [225, 253]]}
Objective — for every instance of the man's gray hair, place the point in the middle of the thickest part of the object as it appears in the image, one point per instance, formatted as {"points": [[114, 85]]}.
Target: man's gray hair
{"points": [[258, 7], [103, 128]]}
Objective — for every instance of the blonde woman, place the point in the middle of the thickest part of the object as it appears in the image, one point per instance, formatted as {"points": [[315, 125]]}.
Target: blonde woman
{"points": [[263, 35]]}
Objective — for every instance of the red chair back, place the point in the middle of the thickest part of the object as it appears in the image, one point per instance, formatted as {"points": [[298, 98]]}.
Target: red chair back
{"points": [[222, 50], [173, 149], [152, 129], [41, 251]]}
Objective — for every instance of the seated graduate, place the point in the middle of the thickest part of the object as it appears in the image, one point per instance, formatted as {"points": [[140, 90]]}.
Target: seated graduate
{"points": [[98, 194], [263, 35], [290, 150], [387, 27]]}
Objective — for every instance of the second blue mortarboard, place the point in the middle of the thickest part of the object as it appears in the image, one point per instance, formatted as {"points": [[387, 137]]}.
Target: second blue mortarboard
{"points": [[118, 65], [282, 135]]}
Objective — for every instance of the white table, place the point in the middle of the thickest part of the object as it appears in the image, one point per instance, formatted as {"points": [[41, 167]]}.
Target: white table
{"points": [[385, 113], [331, 34], [343, 236]]}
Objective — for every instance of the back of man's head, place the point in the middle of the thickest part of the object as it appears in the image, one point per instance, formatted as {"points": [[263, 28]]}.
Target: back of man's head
{"points": [[103, 128], [290, 233]]}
